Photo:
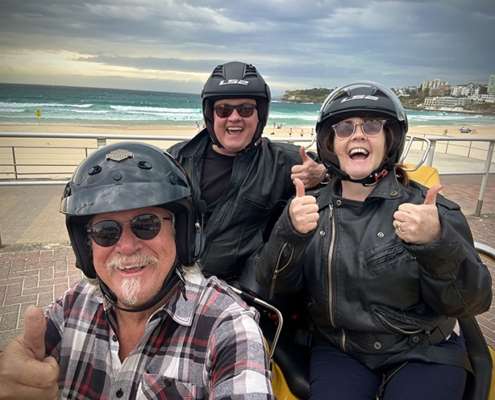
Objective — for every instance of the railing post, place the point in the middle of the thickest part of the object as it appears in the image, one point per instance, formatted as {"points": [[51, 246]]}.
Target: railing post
{"points": [[15, 163], [101, 142], [429, 160], [488, 163]]}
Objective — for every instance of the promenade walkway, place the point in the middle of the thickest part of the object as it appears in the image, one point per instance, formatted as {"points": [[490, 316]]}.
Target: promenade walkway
{"points": [[37, 263]]}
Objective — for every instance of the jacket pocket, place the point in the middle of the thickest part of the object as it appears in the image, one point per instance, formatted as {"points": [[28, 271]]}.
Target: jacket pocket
{"points": [[390, 256], [397, 323], [373, 342], [255, 206], [158, 386]]}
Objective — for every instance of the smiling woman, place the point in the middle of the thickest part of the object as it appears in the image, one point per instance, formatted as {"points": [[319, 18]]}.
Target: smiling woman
{"points": [[378, 255]]}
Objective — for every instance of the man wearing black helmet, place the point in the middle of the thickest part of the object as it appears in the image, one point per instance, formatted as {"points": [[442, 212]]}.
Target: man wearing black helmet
{"points": [[388, 264], [243, 178], [144, 322]]}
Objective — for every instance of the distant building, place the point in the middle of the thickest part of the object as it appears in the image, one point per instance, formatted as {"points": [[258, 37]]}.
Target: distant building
{"points": [[491, 85], [433, 84], [441, 90], [444, 102], [470, 89], [487, 98]]}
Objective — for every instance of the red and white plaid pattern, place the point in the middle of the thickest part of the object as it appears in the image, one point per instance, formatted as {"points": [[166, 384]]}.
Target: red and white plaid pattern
{"points": [[208, 346]]}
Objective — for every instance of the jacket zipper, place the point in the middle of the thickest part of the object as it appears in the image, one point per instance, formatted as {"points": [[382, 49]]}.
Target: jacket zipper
{"points": [[276, 272], [330, 280]]}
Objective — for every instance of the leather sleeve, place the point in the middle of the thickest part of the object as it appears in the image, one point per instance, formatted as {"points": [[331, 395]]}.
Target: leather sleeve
{"points": [[279, 268], [454, 281]]}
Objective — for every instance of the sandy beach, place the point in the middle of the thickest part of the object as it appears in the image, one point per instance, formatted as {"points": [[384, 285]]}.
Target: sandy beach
{"points": [[56, 158], [161, 130]]}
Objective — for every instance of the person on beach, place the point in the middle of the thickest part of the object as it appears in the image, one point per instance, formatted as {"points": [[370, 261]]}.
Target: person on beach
{"points": [[243, 178], [388, 265], [144, 322]]}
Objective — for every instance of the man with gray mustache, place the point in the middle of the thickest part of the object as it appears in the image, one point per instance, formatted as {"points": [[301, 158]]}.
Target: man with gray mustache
{"points": [[144, 323]]}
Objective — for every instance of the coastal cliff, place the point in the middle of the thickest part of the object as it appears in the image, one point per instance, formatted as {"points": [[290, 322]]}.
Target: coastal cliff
{"points": [[316, 95], [412, 102]]}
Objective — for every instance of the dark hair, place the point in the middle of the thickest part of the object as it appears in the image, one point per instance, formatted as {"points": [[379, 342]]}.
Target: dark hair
{"points": [[389, 141]]}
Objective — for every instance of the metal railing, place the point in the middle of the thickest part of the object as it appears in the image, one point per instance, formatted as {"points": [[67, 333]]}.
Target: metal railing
{"points": [[430, 153], [16, 170]]}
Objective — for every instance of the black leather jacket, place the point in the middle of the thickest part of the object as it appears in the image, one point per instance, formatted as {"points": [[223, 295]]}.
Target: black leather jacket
{"points": [[260, 185], [370, 293]]}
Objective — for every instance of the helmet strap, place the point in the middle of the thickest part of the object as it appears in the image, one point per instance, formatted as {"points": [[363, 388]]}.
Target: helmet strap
{"points": [[372, 179], [173, 278]]}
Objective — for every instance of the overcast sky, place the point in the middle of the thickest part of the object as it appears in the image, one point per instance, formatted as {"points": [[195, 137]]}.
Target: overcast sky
{"points": [[173, 45]]}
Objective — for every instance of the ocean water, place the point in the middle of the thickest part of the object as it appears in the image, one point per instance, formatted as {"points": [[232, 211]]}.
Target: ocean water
{"points": [[60, 105]]}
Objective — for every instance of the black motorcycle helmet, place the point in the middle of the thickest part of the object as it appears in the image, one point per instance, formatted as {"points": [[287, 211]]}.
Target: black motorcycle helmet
{"points": [[127, 176], [236, 80], [362, 99]]}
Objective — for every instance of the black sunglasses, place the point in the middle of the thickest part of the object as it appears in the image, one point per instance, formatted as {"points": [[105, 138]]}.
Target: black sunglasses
{"points": [[245, 110], [107, 233]]}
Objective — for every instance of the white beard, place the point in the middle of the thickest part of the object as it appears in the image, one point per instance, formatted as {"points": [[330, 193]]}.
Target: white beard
{"points": [[131, 286], [130, 291]]}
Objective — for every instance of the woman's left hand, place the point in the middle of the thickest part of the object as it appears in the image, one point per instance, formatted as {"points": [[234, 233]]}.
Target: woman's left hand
{"points": [[419, 224]]}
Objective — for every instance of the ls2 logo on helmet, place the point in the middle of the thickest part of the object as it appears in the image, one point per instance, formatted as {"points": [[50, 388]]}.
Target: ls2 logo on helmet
{"points": [[359, 97], [234, 82]]}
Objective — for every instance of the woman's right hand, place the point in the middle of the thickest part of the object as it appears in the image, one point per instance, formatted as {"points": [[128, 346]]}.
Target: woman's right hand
{"points": [[303, 210]]}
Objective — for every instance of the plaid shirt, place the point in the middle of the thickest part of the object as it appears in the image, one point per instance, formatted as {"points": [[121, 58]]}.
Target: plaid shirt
{"points": [[208, 346]]}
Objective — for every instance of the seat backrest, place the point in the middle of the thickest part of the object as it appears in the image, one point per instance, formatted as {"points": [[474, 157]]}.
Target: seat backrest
{"points": [[427, 176]]}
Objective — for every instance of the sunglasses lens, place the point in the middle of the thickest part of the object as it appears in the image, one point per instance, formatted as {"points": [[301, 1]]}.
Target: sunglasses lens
{"points": [[246, 110], [105, 233], [224, 110], [372, 128], [344, 129], [146, 226]]}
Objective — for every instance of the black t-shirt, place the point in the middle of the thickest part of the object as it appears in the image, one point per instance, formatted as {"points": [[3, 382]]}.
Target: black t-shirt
{"points": [[217, 170]]}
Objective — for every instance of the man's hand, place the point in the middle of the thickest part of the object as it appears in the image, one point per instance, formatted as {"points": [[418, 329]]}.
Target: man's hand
{"points": [[25, 373], [303, 210], [419, 224], [309, 172]]}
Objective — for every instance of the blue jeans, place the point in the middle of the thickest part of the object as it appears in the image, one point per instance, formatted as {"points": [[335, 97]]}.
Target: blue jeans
{"points": [[335, 375]]}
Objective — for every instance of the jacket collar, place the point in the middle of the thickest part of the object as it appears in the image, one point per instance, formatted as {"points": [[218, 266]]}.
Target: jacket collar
{"points": [[198, 142], [388, 188]]}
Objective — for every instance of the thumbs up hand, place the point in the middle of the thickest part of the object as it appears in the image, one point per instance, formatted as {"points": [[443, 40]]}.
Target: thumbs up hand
{"points": [[419, 224], [303, 210], [25, 373], [309, 172]]}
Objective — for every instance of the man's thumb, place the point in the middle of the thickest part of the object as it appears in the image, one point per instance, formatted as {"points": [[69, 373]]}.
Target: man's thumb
{"points": [[300, 192], [302, 153], [431, 195], [34, 332]]}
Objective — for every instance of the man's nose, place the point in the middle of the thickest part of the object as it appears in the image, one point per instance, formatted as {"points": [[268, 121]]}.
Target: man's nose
{"points": [[128, 242]]}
